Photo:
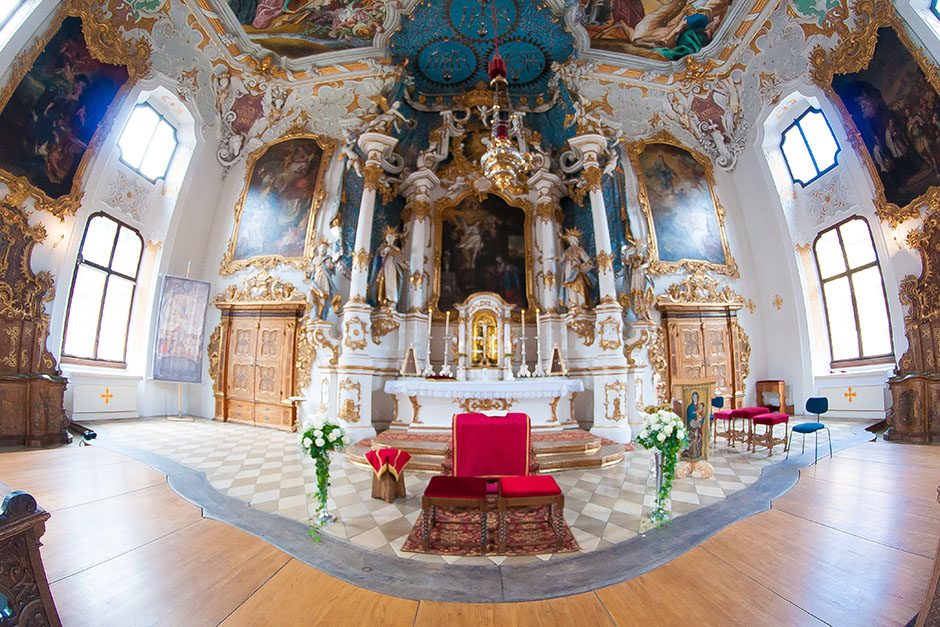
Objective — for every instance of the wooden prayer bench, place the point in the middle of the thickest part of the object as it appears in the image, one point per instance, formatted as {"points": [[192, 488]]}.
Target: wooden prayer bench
{"points": [[22, 524]]}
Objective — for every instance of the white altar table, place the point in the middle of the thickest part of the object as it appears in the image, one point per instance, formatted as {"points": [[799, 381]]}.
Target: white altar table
{"points": [[429, 404]]}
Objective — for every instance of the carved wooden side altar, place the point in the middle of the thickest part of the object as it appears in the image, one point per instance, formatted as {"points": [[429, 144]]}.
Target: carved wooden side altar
{"points": [[425, 404], [701, 337]]}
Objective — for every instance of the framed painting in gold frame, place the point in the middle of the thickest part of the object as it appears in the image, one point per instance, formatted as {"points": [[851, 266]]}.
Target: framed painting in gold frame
{"points": [[695, 398], [275, 213], [59, 104], [886, 88], [686, 222]]}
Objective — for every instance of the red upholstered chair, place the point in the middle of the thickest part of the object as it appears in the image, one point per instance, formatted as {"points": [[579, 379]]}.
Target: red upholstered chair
{"points": [[527, 491], [490, 446], [725, 417], [746, 415], [769, 421], [388, 480], [464, 492]]}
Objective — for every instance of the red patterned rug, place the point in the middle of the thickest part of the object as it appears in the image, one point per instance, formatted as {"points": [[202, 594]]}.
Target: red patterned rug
{"points": [[528, 533]]}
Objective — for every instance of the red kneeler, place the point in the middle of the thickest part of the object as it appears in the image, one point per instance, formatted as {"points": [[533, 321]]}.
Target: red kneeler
{"points": [[388, 480], [528, 491], [770, 420], [443, 491]]}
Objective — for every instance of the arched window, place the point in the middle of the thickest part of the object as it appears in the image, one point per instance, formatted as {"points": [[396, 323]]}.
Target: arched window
{"points": [[148, 143], [853, 293], [102, 293], [809, 147]]}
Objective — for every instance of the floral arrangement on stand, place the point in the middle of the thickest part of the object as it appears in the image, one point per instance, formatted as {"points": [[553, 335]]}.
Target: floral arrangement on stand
{"points": [[318, 440], [664, 433]]}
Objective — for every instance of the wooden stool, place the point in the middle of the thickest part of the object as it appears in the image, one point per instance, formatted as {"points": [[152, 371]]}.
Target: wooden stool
{"points": [[767, 437], [388, 478], [443, 491], [526, 491], [727, 433], [747, 415]]}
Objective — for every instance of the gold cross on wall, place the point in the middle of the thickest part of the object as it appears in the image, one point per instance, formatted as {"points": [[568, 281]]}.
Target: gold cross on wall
{"points": [[850, 395], [107, 396]]}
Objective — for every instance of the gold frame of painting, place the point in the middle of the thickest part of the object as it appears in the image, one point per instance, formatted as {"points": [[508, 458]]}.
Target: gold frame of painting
{"points": [[106, 44], [853, 53], [446, 206], [657, 266], [229, 264], [708, 382]]}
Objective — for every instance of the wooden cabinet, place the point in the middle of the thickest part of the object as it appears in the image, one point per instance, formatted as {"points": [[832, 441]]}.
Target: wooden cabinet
{"points": [[257, 353], [704, 341]]}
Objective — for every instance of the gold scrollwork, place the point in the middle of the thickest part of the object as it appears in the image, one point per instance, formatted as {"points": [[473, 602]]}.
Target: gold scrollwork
{"points": [[214, 351], [382, 326], [469, 405], [322, 340], [656, 351], [592, 177], [554, 405], [261, 287], [657, 266], [615, 410], [415, 408], [629, 347], [744, 352], [852, 54], [304, 356], [584, 329], [699, 288], [349, 407], [354, 335], [605, 261], [609, 330], [266, 262], [372, 176]]}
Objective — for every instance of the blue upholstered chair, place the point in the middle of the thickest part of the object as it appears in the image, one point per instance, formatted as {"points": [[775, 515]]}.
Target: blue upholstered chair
{"points": [[814, 405], [717, 403]]}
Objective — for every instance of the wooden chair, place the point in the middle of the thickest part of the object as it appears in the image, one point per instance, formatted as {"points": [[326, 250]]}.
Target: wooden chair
{"points": [[462, 492], [528, 491], [769, 421]]}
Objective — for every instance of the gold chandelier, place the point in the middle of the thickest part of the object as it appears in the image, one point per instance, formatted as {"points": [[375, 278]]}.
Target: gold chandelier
{"points": [[503, 161]]}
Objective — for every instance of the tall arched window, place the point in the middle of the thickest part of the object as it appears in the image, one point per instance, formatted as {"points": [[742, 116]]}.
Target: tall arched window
{"points": [[854, 294], [102, 293]]}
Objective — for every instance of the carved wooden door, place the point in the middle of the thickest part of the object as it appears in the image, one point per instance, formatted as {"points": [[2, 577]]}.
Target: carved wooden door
{"points": [[718, 361], [240, 375], [686, 348]]}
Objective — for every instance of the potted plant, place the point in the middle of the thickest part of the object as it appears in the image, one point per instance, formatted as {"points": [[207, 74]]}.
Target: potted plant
{"points": [[318, 440], [663, 433]]}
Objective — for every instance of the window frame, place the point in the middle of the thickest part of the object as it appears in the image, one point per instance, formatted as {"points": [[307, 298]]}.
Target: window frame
{"points": [[12, 14], [79, 261], [861, 360], [169, 161], [809, 150], [935, 8]]}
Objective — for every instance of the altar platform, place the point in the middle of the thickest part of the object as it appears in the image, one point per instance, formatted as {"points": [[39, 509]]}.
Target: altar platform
{"points": [[429, 405], [555, 450]]}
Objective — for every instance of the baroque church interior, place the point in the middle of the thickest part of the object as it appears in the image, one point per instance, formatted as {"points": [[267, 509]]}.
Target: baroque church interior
{"points": [[469, 312]]}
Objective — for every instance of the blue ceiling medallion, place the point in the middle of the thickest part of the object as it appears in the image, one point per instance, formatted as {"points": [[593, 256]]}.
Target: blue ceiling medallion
{"points": [[474, 19], [447, 62], [524, 60]]}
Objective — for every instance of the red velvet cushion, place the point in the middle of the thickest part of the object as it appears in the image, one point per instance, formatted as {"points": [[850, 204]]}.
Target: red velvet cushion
{"points": [[490, 446], [378, 465], [722, 415], [771, 419], [749, 412], [396, 459], [531, 485], [444, 487]]}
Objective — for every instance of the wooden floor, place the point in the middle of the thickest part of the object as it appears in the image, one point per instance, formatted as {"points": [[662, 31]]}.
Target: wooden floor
{"points": [[851, 544]]}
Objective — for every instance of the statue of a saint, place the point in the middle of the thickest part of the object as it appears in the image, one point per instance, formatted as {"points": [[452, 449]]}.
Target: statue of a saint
{"points": [[388, 269], [324, 291], [577, 279], [641, 283]]}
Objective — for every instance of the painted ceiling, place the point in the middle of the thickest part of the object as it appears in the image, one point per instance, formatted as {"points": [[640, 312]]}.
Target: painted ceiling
{"points": [[449, 44]]}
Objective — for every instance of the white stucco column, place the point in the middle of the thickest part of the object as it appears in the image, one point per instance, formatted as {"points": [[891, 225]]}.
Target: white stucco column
{"points": [[417, 189], [547, 190]]}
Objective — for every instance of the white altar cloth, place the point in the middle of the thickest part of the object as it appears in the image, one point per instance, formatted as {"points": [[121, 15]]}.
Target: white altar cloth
{"points": [[429, 404]]}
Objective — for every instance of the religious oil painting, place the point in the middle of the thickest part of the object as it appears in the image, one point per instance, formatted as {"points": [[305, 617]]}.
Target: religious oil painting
{"points": [[482, 249], [683, 214], [895, 109], [695, 398], [177, 354], [657, 29], [53, 113], [299, 28], [274, 216]]}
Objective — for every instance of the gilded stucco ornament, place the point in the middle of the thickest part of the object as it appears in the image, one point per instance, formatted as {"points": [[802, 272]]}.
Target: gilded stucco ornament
{"points": [[853, 53], [262, 287], [214, 352], [699, 288], [354, 334], [583, 328]]}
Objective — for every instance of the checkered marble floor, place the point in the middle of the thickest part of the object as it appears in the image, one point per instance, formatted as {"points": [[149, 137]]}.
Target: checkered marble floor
{"points": [[265, 468]]}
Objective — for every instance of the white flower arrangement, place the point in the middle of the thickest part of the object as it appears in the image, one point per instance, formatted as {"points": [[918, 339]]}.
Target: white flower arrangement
{"points": [[664, 431]]}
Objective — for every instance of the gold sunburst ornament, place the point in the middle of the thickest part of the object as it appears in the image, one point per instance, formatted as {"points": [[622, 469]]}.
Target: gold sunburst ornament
{"points": [[503, 161]]}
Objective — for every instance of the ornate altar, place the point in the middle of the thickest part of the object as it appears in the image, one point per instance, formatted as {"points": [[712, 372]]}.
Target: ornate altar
{"points": [[484, 340], [427, 404]]}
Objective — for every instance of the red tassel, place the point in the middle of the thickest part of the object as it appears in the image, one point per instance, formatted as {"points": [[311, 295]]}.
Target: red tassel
{"points": [[497, 67]]}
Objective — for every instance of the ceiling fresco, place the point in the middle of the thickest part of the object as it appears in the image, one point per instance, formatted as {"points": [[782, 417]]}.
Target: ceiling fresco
{"points": [[300, 28], [657, 29], [449, 44]]}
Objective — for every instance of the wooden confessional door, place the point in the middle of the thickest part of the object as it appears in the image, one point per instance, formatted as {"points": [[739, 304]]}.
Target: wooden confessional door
{"points": [[257, 358]]}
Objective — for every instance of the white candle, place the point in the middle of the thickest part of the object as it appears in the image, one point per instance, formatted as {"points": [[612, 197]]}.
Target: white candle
{"points": [[429, 324], [538, 324], [523, 323], [447, 326]]}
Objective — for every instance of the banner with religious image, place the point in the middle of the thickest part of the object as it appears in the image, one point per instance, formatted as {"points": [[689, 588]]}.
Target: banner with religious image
{"points": [[177, 353]]}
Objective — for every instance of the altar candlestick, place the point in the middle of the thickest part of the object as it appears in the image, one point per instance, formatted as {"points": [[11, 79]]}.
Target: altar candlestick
{"points": [[523, 323], [538, 324], [447, 326]]}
